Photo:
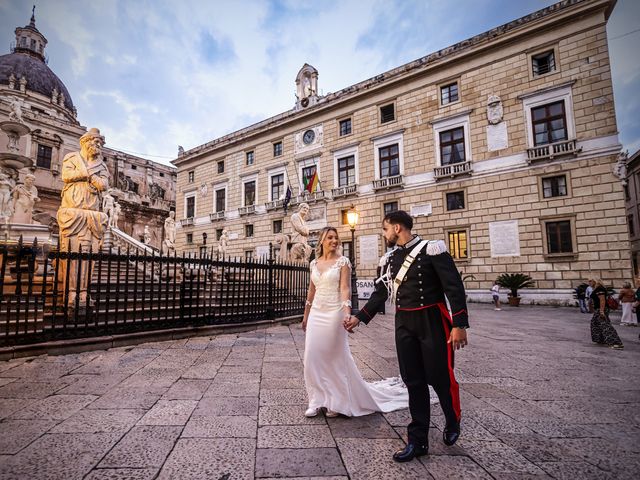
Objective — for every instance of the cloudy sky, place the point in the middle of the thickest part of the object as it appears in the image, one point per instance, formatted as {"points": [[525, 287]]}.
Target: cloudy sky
{"points": [[155, 74]]}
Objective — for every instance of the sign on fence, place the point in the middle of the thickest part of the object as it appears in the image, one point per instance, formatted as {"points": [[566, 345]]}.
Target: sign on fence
{"points": [[365, 288]]}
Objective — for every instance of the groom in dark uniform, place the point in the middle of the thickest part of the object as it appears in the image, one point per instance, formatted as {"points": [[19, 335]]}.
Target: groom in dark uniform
{"points": [[418, 275]]}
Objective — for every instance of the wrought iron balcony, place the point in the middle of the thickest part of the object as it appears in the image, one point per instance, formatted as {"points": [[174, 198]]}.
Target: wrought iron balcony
{"points": [[273, 205], [344, 191], [248, 210], [388, 182], [215, 216], [551, 150], [453, 170]]}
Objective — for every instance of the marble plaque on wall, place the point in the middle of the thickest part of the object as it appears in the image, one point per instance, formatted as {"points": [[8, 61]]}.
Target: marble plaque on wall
{"points": [[368, 250], [262, 251], [497, 138], [504, 239]]}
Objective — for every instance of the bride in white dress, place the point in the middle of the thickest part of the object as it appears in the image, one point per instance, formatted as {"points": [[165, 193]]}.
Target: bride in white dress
{"points": [[331, 377]]}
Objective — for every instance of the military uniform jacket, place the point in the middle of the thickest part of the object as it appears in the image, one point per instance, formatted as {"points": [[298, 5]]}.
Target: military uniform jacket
{"points": [[432, 274]]}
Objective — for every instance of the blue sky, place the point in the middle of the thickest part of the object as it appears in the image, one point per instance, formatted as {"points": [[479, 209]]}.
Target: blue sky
{"points": [[155, 74]]}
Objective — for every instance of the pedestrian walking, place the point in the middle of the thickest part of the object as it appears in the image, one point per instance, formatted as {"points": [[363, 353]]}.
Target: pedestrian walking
{"points": [[495, 293], [627, 298], [581, 296], [602, 332]]}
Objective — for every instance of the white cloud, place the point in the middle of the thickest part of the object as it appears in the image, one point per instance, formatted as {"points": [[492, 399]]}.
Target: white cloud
{"points": [[138, 69]]}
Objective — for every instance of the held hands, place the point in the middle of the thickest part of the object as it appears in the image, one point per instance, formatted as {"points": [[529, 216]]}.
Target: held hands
{"points": [[350, 322], [458, 338]]}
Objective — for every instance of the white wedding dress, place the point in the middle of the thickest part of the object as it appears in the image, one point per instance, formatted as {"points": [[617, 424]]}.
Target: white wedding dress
{"points": [[330, 373]]}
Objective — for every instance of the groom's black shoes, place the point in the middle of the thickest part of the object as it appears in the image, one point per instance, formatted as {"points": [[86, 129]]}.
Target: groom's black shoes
{"points": [[411, 451], [451, 433]]}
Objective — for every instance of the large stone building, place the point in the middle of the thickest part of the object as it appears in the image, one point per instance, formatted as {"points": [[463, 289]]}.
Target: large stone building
{"points": [[503, 144], [632, 197], [145, 189]]}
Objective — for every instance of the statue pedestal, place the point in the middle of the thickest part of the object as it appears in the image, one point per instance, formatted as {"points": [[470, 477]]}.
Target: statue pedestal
{"points": [[29, 232]]}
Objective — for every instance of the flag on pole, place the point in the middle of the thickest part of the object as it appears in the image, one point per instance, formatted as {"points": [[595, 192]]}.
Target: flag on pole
{"points": [[287, 199], [311, 182]]}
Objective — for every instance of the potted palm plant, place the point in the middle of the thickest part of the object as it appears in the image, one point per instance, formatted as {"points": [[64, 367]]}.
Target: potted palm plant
{"points": [[514, 282]]}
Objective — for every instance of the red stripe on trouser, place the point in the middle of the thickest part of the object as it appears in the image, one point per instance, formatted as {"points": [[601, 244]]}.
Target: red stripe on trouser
{"points": [[454, 390]]}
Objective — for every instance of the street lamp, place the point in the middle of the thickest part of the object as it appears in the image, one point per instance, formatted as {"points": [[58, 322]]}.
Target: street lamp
{"points": [[352, 219]]}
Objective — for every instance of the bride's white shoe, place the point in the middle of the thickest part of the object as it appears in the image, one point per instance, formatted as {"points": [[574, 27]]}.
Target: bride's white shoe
{"points": [[331, 414], [311, 412]]}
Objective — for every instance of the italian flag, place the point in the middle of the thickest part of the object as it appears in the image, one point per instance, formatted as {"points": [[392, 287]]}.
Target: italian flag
{"points": [[310, 184]]}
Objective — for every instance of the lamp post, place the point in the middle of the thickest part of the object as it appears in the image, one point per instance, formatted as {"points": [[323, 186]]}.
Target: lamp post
{"points": [[352, 219]]}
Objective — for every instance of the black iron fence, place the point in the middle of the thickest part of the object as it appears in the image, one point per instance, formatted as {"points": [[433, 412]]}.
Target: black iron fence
{"points": [[43, 298]]}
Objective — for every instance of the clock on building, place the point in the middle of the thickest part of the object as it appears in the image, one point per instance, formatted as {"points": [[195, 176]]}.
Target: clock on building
{"points": [[308, 137]]}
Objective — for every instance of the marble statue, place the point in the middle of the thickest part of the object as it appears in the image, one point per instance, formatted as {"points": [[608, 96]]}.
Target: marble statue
{"points": [[300, 234], [12, 82], [180, 150], [15, 115], [146, 235], [282, 241], [113, 221], [23, 84], [169, 242], [108, 205], [620, 168], [82, 224], [24, 197], [6, 205], [223, 243]]}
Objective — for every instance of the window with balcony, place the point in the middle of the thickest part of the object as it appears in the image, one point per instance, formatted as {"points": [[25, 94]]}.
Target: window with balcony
{"points": [[543, 63], [249, 158], [455, 200], [387, 113], [346, 171], [221, 200], [277, 149], [458, 244], [554, 186], [345, 127], [277, 186], [249, 193], [452, 146], [389, 158], [449, 93], [190, 207], [43, 160], [549, 123]]}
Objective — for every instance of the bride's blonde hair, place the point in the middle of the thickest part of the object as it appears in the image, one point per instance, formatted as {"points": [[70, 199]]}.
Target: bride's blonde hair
{"points": [[323, 235]]}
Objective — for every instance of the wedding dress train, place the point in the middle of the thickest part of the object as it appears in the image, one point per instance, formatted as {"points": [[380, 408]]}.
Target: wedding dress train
{"points": [[332, 379]]}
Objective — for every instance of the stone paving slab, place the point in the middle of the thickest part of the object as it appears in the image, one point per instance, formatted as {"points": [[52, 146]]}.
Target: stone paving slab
{"points": [[538, 401]]}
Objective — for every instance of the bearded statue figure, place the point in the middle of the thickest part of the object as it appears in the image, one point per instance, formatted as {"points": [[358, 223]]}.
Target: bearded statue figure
{"points": [[82, 224]]}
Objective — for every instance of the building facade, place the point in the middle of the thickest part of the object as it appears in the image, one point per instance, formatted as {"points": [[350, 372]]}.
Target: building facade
{"points": [[145, 189], [504, 145], [632, 197]]}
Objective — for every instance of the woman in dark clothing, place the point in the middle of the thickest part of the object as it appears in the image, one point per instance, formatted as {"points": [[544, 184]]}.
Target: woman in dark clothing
{"points": [[602, 331]]}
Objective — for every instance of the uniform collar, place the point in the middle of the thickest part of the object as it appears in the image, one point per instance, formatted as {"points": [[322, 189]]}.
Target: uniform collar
{"points": [[411, 243]]}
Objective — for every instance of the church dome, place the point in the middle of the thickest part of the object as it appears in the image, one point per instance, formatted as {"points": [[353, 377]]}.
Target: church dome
{"points": [[40, 78]]}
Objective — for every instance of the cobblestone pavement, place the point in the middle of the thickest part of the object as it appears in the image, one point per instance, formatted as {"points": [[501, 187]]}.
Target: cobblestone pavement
{"points": [[539, 401]]}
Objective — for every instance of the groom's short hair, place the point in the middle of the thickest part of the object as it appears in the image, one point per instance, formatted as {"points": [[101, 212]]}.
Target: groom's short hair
{"points": [[399, 217]]}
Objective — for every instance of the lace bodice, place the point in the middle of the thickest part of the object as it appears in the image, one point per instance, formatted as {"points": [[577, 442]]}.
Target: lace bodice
{"points": [[327, 284]]}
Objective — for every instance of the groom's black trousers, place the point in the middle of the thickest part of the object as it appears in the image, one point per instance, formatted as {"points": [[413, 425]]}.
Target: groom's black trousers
{"points": [[425, 359]]}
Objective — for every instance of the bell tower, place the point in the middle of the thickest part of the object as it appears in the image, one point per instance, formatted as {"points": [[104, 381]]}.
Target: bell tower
{"points": [[29, 40]]}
